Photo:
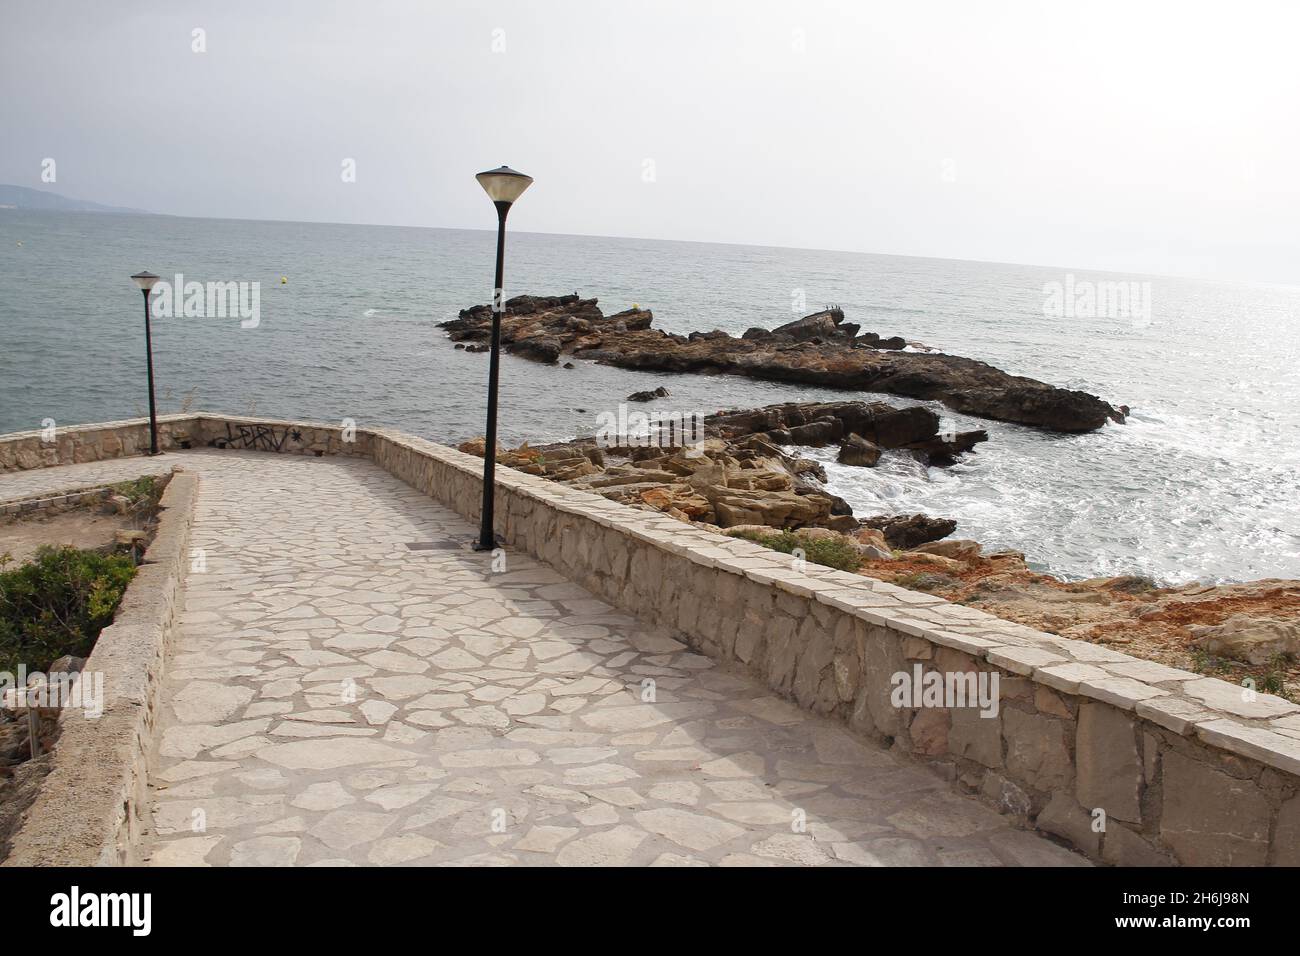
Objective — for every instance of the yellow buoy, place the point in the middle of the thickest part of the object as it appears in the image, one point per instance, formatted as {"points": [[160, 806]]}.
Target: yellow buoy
{"points": [[284, 280]]}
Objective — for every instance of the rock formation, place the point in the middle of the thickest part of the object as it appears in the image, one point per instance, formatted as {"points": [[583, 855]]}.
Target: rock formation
{"points": [[819, 349]]}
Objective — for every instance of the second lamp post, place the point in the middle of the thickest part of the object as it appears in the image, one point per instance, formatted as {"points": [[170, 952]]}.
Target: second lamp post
{"points": [[503, 186], [146, 281]]}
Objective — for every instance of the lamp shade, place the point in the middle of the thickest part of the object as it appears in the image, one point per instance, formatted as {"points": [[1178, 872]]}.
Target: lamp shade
{"points": [[504, 184], [145, 280]]}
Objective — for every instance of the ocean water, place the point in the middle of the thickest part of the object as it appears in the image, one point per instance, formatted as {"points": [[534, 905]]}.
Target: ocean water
{"points": [[1203, 483]]}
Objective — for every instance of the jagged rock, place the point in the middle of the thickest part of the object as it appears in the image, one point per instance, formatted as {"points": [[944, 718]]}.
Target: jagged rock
{"points": [[856, 450], [776, 509], [943, 451], [818, 433], [905, 532], [949, 565], [813, 350], [823, 325], [1250, 639], [958, 549], [541, 348], [649, 395]]}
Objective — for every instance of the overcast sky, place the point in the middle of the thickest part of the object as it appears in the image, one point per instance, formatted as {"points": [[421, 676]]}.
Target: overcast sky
{"points": [[1147, 137]]}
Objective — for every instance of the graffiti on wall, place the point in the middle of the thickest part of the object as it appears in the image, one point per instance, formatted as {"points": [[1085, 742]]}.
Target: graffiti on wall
{"points": [[257, 437]]}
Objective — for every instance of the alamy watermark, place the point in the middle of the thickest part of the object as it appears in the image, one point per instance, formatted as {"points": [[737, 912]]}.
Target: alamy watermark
{"points": [[82, 691], [948, 690], [209, 300], [1086, 299], [629, 428]]}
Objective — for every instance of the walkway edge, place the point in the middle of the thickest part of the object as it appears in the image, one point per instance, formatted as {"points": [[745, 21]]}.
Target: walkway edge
{"points": [[89, 808]]}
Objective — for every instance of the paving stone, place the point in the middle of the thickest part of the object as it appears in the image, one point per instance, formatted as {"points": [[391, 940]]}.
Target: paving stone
{"points": [[464, 718]]}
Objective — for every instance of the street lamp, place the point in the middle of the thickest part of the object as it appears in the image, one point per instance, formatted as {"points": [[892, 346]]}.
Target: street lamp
{"points": [[503, 186], [146, 281]]}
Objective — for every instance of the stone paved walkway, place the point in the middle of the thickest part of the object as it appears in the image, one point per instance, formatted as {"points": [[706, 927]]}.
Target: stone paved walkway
{"points": [[336, 698]]}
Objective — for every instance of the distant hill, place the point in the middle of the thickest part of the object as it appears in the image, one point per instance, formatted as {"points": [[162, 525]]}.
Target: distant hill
{"points": [[20, 197]]}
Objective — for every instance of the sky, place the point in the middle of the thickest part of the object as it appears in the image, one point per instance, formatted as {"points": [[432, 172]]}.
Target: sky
{"points": [[1152, 137]]}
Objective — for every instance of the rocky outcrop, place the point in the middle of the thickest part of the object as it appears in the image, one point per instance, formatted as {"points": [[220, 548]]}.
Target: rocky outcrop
{"points": [[717, 482], [819, 349], [739, 474], [859, 424]]}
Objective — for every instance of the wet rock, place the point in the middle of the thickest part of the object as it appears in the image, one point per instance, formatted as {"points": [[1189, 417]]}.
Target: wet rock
{"points": [[816, 434], [649, 395], [540, 348], [942, 450], [856, 450], [905, 532]]}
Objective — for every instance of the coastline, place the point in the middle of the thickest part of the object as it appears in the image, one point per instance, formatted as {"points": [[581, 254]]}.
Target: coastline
{"points": [[1248, 631]]}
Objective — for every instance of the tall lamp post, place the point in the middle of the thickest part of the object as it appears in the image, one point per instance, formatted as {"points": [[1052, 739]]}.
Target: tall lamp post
{"points": [[146, 281], [503, 186]]}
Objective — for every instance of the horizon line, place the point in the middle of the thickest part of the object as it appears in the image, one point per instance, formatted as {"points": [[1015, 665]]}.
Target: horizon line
{"points": [[128, 211]]}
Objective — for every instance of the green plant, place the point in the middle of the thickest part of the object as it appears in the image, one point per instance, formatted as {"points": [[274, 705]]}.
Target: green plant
{"points": [[833, 553], [138, 489], [57, 604], [1272, 682], [909, 581], [830, 552]]}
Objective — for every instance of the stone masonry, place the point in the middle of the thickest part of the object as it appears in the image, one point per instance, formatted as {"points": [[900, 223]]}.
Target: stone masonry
{"points": [[1127, 760]]}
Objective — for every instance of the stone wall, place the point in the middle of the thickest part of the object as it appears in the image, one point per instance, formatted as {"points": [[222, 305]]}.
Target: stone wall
{"points": [[88, 811], [75, 444], [1177, 768], [1181, 768]]}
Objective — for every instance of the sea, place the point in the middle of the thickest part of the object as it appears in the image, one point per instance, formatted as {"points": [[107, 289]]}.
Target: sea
{"points": [[1202, 484]]}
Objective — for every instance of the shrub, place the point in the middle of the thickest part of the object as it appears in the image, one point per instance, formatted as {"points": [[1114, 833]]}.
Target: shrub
{"points": [[145, 488], [830, 552], [57, 604]]}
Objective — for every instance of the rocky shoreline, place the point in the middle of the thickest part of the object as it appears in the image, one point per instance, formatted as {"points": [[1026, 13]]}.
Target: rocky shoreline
{"points": [[819, 349], [745, 478]]}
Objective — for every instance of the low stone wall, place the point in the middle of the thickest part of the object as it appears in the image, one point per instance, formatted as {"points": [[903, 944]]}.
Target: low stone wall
{"points": [[89, 808], [76, 444], [1130, 761], [52, 504]]}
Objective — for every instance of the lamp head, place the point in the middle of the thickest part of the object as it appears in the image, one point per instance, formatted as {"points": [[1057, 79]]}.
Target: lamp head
{"points": [[145, 280], [504, 184]]}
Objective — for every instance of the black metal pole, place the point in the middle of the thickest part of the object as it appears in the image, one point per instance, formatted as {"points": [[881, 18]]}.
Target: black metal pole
{"points": [[148, 350], [486, 538]]}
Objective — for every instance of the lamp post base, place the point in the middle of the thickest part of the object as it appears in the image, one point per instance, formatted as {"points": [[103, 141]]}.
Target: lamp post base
{"points": [[497, 542]]}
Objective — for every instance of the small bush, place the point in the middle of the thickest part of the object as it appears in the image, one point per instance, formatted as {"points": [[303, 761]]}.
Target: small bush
{"points": [[139, 489], [833, 553], [57, 604], [830, 552]]}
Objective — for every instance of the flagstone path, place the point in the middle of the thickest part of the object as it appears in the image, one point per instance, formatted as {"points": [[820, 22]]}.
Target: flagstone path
{"points": [[336, 698]]}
